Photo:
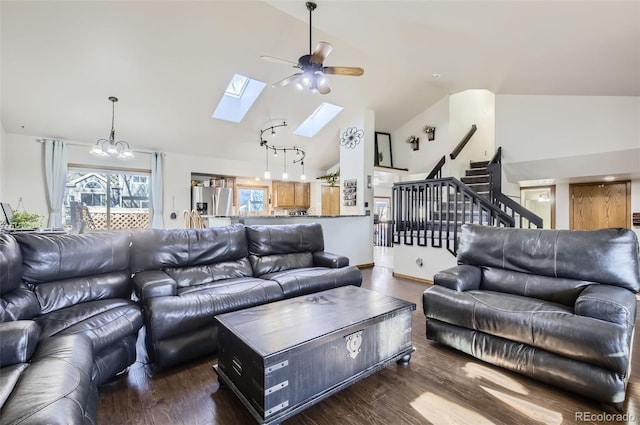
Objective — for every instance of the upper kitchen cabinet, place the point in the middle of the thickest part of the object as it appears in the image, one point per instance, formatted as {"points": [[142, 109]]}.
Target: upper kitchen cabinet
{"points": [[291, 194]]}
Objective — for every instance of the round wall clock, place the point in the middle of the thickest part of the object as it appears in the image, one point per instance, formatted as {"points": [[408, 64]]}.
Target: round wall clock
{"points": [[351, 137]]}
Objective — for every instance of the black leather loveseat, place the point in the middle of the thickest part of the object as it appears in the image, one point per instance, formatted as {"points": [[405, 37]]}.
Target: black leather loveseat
{"points": [[556, 305], [185, 277], [67, 324]]}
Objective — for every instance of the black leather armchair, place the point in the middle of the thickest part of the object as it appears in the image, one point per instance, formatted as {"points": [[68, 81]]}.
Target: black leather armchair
{"points": [[556, 305], [83, 286], [45, 381]]}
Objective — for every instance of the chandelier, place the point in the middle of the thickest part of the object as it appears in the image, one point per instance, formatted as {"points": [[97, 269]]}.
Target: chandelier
{"points": [[109, 147], [299, 158]]}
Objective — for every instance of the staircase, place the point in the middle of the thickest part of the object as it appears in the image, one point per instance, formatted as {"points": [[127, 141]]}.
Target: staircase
{"points": [[432, 211], [477, 177]]}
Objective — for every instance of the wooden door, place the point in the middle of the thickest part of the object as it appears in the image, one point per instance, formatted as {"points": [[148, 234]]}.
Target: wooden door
{"points": [[330, 200], [600, 205]]}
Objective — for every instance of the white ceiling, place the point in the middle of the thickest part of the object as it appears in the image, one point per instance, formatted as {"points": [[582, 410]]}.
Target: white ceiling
{"points": [[169, 63]]}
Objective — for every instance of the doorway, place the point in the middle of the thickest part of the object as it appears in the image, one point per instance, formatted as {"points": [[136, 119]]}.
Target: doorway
{"points": [[599, 205], [541, 200]]}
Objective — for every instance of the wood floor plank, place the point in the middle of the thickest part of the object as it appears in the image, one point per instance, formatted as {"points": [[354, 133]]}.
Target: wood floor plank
{"points": [[439, 386]]}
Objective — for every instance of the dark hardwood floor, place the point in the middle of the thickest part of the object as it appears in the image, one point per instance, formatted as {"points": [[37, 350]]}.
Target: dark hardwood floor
{"points": [[439, 386]]}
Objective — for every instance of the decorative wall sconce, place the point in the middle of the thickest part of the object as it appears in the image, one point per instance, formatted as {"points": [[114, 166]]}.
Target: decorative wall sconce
{"points": [[431, 132], [299, 158], [414, 142]]}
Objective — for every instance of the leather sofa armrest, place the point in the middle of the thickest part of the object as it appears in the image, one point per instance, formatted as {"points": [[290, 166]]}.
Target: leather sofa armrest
{"points": [[19, 340], [607, 302], [327, 259], [154, 283], [459, 278]]}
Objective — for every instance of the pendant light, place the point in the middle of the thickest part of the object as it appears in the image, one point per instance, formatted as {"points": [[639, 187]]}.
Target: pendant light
{"points": [[109, 147]]}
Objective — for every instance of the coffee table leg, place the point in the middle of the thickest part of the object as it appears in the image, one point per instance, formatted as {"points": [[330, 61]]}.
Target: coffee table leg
{"points": [[404, 360]]}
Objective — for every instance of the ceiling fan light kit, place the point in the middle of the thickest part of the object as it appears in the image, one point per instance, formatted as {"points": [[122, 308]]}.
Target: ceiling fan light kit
{"points": [[312, 75]]}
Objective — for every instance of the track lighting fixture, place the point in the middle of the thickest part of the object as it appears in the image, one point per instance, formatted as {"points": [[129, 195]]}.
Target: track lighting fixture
{"points": [[300, 153]]}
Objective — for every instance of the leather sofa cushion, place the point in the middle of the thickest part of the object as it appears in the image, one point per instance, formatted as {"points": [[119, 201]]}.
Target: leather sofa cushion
{"points": [[9, 376], [554, 289], [19, 304], [196, 306], [595, 382], [65, 293], [104, 322], [550, 326], [285, 239], [197, 275], [19, 340], [266, 264], [608, 256], [304, 281], [10, 264], [49, 258], [158, 249], [56, 388]]}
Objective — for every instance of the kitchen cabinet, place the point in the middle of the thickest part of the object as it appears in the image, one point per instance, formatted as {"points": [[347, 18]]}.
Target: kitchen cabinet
{"points": [[330, 200], [290, 194]]}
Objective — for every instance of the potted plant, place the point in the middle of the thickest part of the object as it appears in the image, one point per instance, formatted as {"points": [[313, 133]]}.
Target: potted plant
{"points": [[414, 142], [25, 220]]}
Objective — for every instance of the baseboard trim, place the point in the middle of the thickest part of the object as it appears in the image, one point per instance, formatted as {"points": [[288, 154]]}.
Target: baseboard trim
{"points": [[365, 266], [417, 279]]}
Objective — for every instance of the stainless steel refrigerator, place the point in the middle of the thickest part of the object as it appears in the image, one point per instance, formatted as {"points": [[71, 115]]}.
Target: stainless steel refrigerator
{"points": [[213, 201]]}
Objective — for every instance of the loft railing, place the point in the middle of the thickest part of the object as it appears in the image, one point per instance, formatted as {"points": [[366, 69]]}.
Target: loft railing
{"points": [[463, 142], [436, 209], [522, 217], [436, 173]]}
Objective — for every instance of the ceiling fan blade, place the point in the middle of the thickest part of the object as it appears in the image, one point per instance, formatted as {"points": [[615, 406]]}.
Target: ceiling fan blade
{"points": [[286, 81], [273, 59], [323, 49], [343, 70]]}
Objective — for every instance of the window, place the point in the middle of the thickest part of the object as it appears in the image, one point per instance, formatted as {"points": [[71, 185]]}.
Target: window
{"points": [[252, 200], [238, 98], [106, 199], [318, 119]]}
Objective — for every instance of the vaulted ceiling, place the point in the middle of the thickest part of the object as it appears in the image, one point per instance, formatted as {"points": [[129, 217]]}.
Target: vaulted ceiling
{"points": [[169, 63]]}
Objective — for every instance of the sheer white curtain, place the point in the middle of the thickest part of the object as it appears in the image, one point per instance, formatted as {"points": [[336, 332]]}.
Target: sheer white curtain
{"points": [[55, 171], [157, 190]]}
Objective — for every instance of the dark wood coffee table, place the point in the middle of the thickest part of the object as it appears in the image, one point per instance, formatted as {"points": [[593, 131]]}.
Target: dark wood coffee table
{"points": [[283, 357]]}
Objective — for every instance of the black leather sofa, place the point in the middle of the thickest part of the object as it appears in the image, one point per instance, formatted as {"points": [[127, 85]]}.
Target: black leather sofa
{"points": [[67, 324], [185, 277], [556, 305]]}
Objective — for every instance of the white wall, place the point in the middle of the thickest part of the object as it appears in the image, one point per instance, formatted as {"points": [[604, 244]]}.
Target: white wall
{"points": [[433, 260], [423, 160], [2, 166], [465, 109], [539, 127]]}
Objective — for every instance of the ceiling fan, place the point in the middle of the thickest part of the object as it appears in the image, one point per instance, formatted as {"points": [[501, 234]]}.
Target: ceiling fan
{"points": [[312, 71]]}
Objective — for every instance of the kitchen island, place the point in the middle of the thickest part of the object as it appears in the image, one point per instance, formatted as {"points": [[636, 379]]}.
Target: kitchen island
{"points": [[348, 235]]}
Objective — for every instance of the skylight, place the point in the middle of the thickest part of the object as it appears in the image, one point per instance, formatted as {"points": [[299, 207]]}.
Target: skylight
{"points": [[238, 98], [318, 119]]}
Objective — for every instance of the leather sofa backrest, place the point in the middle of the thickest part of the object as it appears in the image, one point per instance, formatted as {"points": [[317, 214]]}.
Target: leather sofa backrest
{"points": [[10, 264], [160, 249], [282, 247], [17, 302], [607, 256], [71, 269], [554, 289]]}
